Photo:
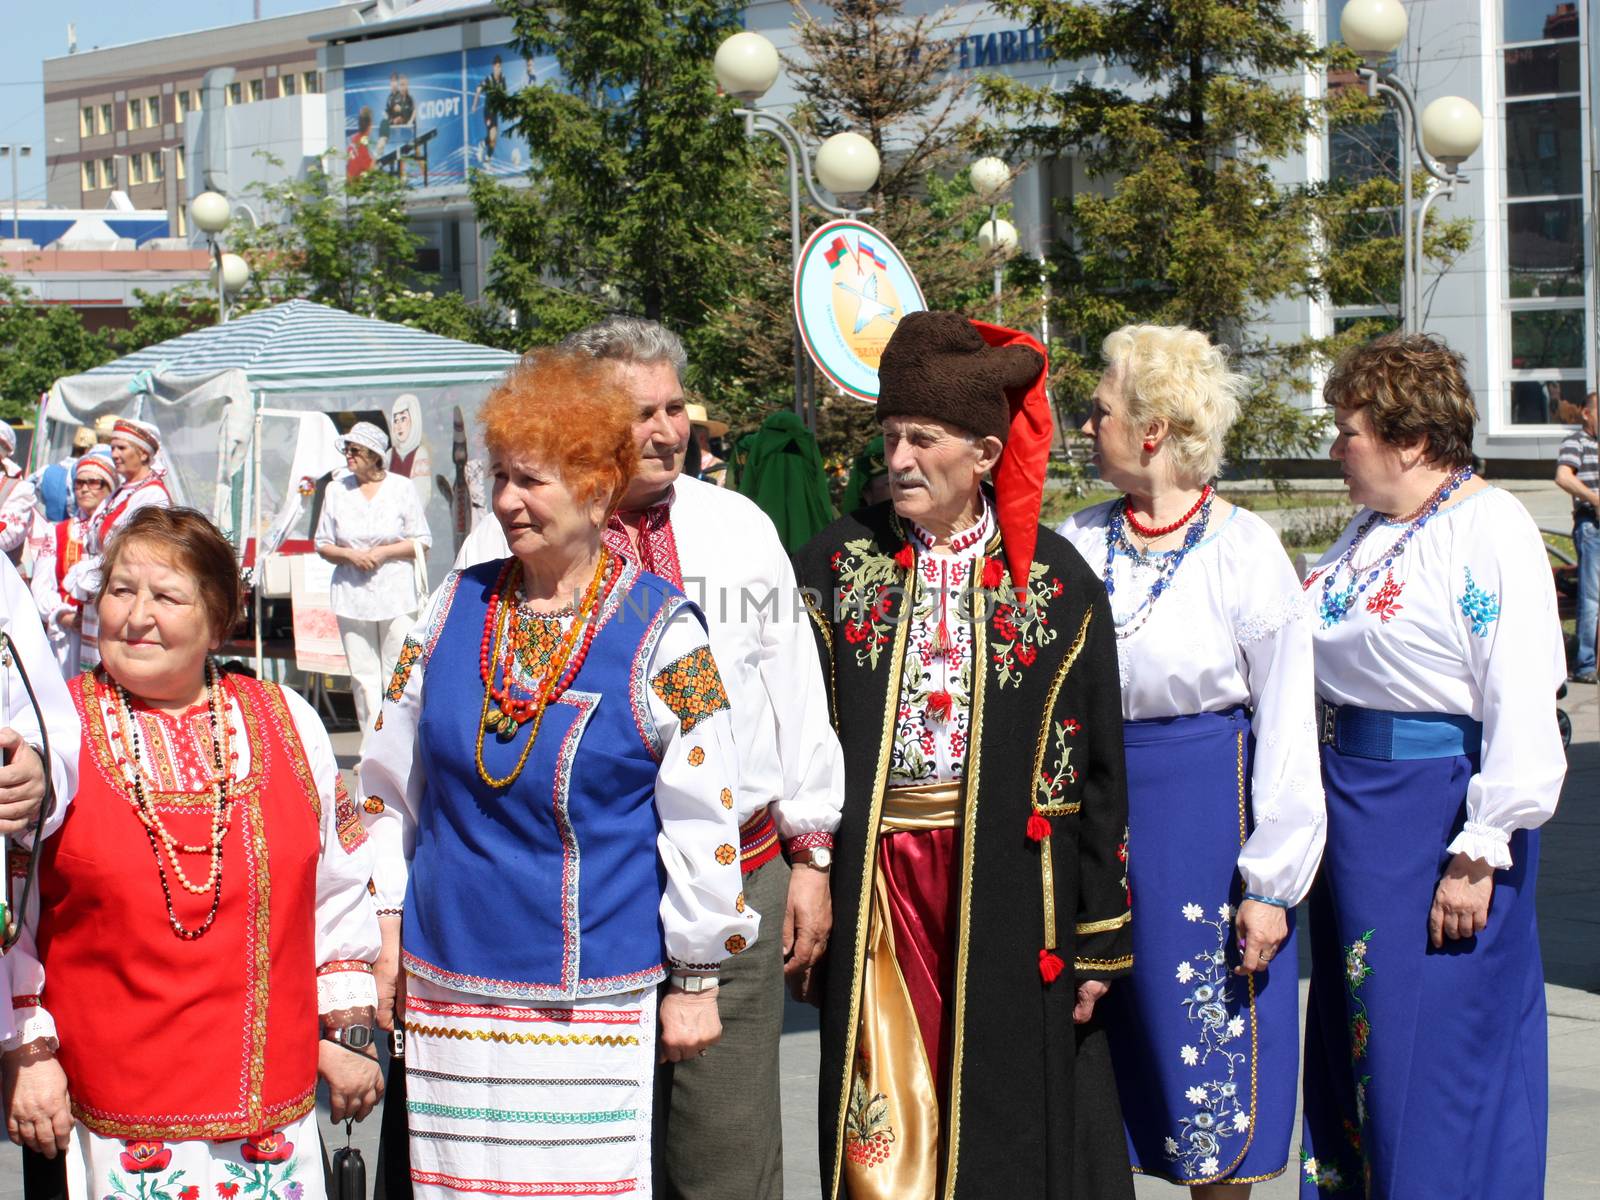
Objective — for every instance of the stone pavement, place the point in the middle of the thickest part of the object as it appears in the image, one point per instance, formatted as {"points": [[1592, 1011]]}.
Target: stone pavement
{"points": [[1569, 922]]}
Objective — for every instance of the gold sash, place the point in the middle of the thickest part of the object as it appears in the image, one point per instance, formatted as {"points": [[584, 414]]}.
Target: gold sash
{"points": [[891, 1140]]}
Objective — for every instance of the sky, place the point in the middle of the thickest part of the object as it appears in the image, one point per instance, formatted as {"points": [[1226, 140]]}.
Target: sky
{"points": [[36, 31]]}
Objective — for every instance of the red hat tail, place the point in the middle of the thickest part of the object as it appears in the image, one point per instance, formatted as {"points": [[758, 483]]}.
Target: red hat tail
{"points": [[1020, 474]]}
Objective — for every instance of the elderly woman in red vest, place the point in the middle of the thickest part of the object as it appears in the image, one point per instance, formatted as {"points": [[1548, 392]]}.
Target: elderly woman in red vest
{"points": [[203, 910]]}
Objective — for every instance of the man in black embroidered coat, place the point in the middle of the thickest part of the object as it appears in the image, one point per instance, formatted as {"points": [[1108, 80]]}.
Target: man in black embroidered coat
{"points": [[979, 884]]}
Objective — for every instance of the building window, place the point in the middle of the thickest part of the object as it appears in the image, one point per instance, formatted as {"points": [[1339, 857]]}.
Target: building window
{"points": [[1544, 207], [313, 82], [105, 119], [89, 183], [157, 169], [288, 84], [179, 156], [108, 172], [235, 93], [258, 89], [135, 114], [152, 111], [86, 125], [180, 107], [135, 169], [183, 222]]}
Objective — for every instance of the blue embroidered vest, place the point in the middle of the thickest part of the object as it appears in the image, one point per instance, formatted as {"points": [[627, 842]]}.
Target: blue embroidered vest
{"points": [[548, 889]]}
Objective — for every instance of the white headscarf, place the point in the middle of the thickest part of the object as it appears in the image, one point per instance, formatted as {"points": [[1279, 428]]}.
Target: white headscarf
{"points": [[411, 406]]}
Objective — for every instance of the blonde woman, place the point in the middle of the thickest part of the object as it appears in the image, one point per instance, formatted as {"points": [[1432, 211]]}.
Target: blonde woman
{"points": [[1225, 806]]}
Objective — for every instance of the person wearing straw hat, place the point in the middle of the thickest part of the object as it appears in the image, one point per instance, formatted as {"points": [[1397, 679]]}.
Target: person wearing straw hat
{"points": [[702, 429], [980, 894], [372, 529], [94, 478]]}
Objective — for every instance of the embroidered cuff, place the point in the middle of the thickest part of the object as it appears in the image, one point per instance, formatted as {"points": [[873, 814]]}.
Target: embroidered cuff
{"points": [[1485, 843], [345, 984], [32, 1023], [808, 841], [1267, 900]]}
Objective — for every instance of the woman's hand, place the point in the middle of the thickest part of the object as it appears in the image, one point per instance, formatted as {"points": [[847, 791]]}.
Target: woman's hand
{"points": [[391, 980], [67, 618], [21, 783], [361, 560], [689, 1024], [1461, 901], [1089, 993], [1262, 928], [355, 1084], [38, 1112]]}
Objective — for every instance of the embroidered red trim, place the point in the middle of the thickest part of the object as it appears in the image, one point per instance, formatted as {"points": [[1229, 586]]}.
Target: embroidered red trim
{"points": [[809, 841], [758, 841]]}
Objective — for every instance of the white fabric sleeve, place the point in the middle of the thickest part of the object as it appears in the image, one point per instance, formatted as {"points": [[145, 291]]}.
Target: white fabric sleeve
{"points": [[1281, 857], [327, 531], [25, 1020], [413, 521], [703, 912], [44, 673], [1506, 608], [808, 749], [46, 595], [16, 517], [347, 938], [392, 780]]}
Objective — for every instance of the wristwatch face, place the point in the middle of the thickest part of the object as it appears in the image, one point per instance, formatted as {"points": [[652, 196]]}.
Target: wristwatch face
{"points": [[821, 858], [357, 1037]]}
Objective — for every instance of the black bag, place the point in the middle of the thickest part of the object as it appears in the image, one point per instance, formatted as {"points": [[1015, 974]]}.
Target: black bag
{"points": [[349, 1172]]}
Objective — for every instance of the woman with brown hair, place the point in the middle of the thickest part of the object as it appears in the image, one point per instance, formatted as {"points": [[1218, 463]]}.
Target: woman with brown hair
{"points": [[551, 793], [1438, 656], [202, 909]]}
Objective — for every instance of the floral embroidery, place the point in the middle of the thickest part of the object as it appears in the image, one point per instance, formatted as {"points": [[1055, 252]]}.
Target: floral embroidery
{"points": [[1122, 857], [696, 756], [347, 818], [373, 805], [933, 717], [142, 1156], [738, 903], [1480, 608], [727, 797], [1021, 630], [735, 943], [1051, 785], [1385, 602], [1324, 1174], [691, 687], [1217, 1112], [726, 854], [864, 598], [1335, 605], [868, 1135], [410, 654]]}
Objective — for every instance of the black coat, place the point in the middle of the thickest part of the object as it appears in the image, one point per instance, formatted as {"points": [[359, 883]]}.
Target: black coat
{"points": [[1033, 1104]]}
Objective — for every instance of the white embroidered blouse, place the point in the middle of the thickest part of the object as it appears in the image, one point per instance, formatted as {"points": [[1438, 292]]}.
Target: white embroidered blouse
{"points": [[352, 520], [1464, 621], [702, 908], [347, 938], [1230, 629]]}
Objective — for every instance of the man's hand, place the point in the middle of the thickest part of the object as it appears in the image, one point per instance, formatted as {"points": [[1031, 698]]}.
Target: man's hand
{"points": [[1262, 928], [1461, 901], [21, 783], [38, 1112], [391, 980], [355, 1084], [807, 921], [689, 1024], [1089, 991]]}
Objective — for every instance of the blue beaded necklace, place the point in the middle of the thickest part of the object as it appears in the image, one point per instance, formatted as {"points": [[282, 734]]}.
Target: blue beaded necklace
{"points": [[1337, 604], [1117, 539]]}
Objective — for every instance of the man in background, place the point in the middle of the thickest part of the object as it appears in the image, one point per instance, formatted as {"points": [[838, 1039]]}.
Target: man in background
{"points": [[1578, 474]]}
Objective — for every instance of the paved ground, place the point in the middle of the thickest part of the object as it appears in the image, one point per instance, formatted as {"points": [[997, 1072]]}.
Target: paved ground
{"points": [[1569, 903]]}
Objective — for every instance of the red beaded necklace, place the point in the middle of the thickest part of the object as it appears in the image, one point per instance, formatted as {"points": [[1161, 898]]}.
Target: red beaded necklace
{"points": [[1147, 532]]}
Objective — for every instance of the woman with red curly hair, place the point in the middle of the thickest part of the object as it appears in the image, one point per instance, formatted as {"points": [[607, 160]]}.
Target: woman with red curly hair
{"points": [[551, 793]]}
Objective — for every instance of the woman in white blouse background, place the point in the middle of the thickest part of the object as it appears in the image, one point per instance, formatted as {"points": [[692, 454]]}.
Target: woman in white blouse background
{"points": [[371, 528], [1438, 656], [1225, 807]]}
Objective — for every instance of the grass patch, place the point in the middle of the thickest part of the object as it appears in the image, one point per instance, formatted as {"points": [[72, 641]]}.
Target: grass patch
{"points": [[1272, 500]]}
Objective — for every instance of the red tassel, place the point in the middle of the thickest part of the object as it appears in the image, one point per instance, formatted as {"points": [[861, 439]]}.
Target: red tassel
{"points": [[994, 573], [1038, 827], [1050, 966], [939, 705], [905, 557]]}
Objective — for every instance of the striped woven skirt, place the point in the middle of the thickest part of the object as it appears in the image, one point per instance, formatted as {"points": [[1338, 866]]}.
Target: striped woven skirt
{"points": [[528, 1099]]}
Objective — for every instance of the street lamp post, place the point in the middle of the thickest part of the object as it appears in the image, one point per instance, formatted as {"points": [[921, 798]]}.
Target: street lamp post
{"points": [[211, 213], [991, 178], [847, 164], [14, 152], [1450, 130]]}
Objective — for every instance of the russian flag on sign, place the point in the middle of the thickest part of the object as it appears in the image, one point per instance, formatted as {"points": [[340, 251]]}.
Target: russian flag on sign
{"points": [[871, 253], [836, 250]]}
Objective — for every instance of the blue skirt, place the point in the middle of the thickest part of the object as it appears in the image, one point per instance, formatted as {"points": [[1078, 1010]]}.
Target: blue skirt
{"points": [[1426, 1074], [1205, 1060]]}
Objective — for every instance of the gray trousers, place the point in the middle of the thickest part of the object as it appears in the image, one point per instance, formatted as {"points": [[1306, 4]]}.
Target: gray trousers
{"points": [[719, 1133]]}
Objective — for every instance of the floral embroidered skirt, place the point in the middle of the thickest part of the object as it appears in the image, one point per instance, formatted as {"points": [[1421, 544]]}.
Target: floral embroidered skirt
{"points": [[285, 1164], [1426, 1071], [1205, 1060], [523, 1098]]}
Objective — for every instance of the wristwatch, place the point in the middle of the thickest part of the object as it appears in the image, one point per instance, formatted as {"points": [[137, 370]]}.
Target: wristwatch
{"points": [[351, 1037], [819, 858], [695, 983]]}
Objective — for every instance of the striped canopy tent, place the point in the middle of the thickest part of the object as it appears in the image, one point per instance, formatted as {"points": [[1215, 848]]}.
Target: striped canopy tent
{"points": [[248, 411]]}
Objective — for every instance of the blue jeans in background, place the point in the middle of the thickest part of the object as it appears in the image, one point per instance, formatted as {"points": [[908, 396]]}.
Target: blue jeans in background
{"points": [[1586, 538]]}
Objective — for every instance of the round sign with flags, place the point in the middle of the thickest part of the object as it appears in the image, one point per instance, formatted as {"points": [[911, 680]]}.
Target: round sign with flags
{"points": [[851, 288]]}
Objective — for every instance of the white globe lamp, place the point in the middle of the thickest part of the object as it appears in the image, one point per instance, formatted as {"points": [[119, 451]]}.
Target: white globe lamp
{"points": [[990, 178], [998, 237], [235, 274], [210, 212], [847, 164], [746, 66], [1374, 29], [1452, 130]]}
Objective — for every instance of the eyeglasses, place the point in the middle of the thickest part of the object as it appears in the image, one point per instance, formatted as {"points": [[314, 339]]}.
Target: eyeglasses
{"points": [[352, 451], [97, 485]]}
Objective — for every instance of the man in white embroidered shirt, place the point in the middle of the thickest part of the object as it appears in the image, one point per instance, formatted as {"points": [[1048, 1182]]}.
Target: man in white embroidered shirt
{"points": [[725, 554]]}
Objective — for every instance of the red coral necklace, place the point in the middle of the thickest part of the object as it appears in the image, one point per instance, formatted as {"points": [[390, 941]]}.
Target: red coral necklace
{"points": [[1150, 532]]}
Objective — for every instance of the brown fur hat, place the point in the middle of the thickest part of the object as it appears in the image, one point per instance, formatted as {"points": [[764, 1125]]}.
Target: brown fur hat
{"points": [[938, 365]]}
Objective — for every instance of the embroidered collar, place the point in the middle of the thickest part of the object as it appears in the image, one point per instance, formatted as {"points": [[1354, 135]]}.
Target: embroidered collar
{"points": [[968, 543]]}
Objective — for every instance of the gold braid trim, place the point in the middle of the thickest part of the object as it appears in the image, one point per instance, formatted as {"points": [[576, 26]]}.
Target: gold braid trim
{"points": [[1106, 926], [523, 1039], [1103, 964]]}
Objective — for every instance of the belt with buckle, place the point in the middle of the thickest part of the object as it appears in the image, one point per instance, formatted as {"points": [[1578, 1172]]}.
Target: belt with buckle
{"points": [[1395, 737]]}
